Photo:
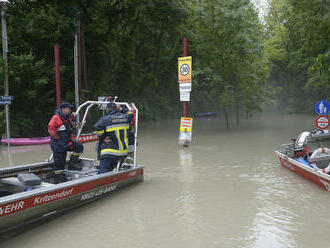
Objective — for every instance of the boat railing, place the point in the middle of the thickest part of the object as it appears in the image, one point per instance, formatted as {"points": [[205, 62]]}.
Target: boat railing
{"points": [[90, 104], [288, 149], [31, 168], [289, 146]]}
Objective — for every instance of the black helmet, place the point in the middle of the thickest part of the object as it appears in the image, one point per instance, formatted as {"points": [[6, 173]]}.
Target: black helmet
{"points": [[111, 105], [66, 105]]}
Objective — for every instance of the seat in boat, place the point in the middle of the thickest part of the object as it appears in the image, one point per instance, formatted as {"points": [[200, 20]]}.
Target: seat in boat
{"points": [[14, 181]]}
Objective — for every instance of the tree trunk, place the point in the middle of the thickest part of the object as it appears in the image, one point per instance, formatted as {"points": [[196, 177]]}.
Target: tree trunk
{"points": [[226, 117], [237, 113]]}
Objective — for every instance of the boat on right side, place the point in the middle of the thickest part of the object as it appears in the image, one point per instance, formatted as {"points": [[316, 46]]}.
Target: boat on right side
{"points": [[308, 155]]}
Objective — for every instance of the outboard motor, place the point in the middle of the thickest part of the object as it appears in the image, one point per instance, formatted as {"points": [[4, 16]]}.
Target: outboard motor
{"points": [[302, 140]]}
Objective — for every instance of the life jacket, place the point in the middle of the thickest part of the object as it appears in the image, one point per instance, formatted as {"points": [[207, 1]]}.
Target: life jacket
{"points": [[59, 127]]}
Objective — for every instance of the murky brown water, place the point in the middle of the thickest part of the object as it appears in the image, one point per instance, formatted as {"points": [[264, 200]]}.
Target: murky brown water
{"points": [[226, 190]]}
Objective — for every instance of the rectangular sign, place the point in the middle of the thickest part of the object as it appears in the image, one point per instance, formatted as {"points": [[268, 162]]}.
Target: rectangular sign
{"points": [[184, 69], [184, 96], [184, 137], [6, 99], [185, 87], [102, 99], [186, 124]]}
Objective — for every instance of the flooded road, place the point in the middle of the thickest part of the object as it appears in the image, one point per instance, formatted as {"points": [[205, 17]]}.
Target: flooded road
{"points": [[226, 190]]}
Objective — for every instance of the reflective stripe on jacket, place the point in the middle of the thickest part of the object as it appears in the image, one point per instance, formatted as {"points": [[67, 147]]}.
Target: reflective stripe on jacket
{"points": [[115, 126]]}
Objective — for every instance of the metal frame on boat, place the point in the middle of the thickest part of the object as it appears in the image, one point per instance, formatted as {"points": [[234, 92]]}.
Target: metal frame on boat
{"points": [[84, 138], [296, 157], [30, 203]]}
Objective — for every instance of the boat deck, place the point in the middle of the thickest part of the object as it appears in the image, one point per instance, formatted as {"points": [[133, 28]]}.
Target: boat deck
{"points": [[57, 191]]}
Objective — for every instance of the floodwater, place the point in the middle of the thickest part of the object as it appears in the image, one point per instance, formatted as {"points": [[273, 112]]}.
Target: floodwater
{"points": [[226, 190]]}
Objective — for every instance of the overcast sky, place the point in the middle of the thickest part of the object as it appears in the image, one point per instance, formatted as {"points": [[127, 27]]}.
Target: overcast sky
{"points": [[262, 6]]}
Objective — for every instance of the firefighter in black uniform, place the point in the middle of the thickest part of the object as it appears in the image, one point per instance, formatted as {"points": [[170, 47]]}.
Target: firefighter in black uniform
{"points": [[60, 130], [112, 131]]}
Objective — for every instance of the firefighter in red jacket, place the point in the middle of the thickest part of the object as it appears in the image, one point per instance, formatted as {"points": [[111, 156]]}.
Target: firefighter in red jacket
{"points": [[60, 130]]}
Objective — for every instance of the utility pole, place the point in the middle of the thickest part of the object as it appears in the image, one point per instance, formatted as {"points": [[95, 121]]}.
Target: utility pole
{"points": [[83, 56], [78, 30], [57, 75], [4, 6], [76, 83], [77, 62]]}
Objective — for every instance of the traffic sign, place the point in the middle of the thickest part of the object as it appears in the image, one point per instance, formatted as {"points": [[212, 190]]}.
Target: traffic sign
{"points": [[186, 124], [6, 99], [322, 122], [185, 87], [102, 99], [184, 137], [184, 96], [185, 130], [322, 107], [184, 69]]}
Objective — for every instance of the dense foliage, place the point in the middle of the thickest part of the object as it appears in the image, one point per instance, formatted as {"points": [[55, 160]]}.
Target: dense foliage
{"points": [[299, 51], [231, 69], [132, 48]]}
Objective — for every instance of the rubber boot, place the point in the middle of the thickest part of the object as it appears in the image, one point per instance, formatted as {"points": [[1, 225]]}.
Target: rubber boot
{"points": [[59, 178], [74, 162]]}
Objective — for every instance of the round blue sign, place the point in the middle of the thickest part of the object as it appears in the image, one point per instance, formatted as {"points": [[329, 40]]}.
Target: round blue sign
{"points": [[322, 107]]}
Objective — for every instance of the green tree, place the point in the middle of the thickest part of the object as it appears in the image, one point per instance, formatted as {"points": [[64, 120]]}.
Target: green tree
{"points": [[298, 47], [230, 53]]}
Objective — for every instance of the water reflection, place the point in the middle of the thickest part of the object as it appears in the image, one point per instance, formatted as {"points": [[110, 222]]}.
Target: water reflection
{"points": [[274, 223], [186, 204], [10, 162], [185, 157]]}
